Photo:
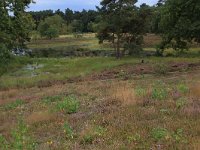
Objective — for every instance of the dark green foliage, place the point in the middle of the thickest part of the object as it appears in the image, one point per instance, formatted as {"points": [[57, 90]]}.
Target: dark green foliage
{"points": [[179, 24], [14, 29], [69, 16], [77, 26], [52, 32], [38, 16], [60, 13], [51, 27], [84, 17], [121, 23], [133, 49], [4, 58]]}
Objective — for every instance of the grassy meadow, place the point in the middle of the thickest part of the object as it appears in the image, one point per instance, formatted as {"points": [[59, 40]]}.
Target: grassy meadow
{"points": [[88, 42], [100, 103]]}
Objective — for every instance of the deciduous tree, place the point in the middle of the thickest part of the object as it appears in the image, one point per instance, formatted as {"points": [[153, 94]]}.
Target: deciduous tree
{"points": [[15, 26], [51, 27], [179, 24]]}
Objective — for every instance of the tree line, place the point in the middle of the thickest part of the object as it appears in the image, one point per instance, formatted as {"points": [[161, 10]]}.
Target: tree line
{"points": [[84, 21], [67, 21], [120, 22]]}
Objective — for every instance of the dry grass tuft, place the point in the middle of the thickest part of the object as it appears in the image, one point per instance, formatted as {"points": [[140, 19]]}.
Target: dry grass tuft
{"points": [[37, 117], [122, 92], [193, 108], [196, 144], [195, 90]]}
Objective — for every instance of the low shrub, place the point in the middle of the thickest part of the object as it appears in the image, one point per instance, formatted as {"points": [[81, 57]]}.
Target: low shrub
{"points": [[159, 94], [133, 49], [5, 58], [182, 88], [68, 131], [181, 102], [20, 139], [13, 105], [69, 105], [160, 69], [159, 133]]}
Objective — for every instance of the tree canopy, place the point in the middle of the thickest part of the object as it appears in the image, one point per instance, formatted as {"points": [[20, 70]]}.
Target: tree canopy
{"points": [[121, 23], [179, 23], [15, 26], [51, 27], [16, 23]]}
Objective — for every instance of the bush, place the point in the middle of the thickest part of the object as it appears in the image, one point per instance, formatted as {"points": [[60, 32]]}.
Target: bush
{"points": [[133, 49], [52, 33], [160, 69], [4, 58], [159, 133], [69, 105]]}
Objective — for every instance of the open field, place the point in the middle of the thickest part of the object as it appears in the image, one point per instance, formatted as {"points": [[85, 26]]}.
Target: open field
{"points": [[101, 75], [101, 103], [67, 45], [86, 41]]}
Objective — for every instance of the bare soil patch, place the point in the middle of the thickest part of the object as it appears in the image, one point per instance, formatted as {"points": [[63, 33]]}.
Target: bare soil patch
{"points": [[128, 70]]}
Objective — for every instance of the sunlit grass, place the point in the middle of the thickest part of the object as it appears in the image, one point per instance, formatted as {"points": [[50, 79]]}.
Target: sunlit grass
{"points": [[54, 69]]}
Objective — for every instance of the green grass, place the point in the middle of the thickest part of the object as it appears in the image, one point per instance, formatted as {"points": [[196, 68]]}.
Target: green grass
{"points": [[159, 133], [14, 64], [13, 105], [88, 41], [161, 113], [20, 139], [95, 119], [53, 70], [140, 92], [51, 99], [69, 105], [68, 131], [183, 88], [181, 102]]}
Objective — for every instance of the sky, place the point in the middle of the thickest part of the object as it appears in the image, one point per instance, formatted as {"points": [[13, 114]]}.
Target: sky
{"points": [[75, 5]]}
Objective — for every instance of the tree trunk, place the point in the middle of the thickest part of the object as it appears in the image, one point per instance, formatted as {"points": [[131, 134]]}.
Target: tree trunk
{"points": [[118, 55], [113, 42]]}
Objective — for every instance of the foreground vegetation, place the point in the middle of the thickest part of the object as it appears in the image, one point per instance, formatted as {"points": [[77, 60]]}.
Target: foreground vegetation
{"points": [[107, 106], [88, 45], [43, 72], [52, 99]]}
